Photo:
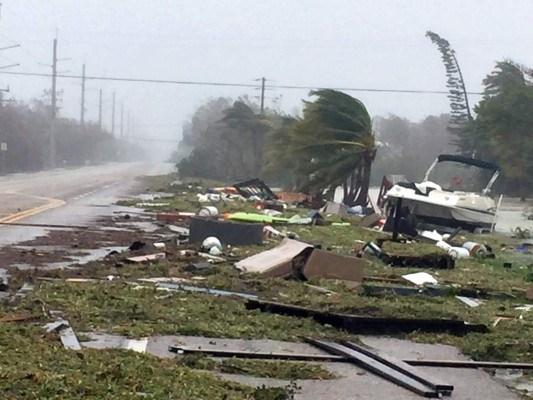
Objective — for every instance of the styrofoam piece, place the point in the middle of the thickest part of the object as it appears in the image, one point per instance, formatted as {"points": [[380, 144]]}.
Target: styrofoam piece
{"points": [[138, 346], [420, 278], [469, 301], [433, 235], [443, 245]]}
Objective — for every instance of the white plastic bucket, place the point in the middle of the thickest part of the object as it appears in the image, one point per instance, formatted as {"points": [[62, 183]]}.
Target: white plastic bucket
{"points": [[458, 252], [208, 211], [475, 249]]}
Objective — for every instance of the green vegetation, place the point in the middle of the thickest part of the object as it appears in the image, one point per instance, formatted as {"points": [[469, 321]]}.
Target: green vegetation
{"points": [[37, 367], [263, 369]]}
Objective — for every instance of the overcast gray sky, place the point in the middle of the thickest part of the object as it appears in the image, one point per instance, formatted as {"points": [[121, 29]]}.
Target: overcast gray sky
{"points": [[375, 44]]}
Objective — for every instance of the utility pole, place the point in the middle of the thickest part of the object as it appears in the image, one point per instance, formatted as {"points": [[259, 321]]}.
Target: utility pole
{"points": [[263, 80], [82, 116], [54, 80], [100, 111], [122, 120], [113, 116], [54, 107]]}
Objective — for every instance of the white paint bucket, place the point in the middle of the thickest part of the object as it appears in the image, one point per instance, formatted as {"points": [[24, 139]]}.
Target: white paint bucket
{"points": [[211, 242], [458, 252], [475, 249], [208, 211]]}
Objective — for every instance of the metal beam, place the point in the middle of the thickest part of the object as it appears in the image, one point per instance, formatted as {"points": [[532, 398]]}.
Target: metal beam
{"points": [[335, 358], [399, 366], [378, 368], [257, 355]]}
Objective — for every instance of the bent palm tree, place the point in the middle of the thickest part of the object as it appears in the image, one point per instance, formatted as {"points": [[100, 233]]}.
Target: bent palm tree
{"points": [[335, 137]]}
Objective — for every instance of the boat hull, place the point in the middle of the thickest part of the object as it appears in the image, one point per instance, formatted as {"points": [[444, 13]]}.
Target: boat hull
{"points": [[431, 214]]}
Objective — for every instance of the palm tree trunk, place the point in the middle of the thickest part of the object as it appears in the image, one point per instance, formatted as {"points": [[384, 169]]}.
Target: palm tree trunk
{"points": [[362, 199]]}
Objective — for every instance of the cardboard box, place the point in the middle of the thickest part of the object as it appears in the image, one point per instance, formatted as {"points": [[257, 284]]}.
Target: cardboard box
{"points": [[329, 265], [274, 262], [292, 257]]}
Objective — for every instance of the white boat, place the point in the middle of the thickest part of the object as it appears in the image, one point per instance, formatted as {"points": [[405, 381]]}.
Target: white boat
{"points": [[433, 205]]}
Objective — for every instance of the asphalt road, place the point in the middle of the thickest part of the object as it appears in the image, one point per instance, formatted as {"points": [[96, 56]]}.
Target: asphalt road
{"points": [[66, 196]]}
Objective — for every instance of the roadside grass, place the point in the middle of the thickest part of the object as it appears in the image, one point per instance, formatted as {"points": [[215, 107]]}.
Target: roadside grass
{"points": [[35, 366], [263, 369]]}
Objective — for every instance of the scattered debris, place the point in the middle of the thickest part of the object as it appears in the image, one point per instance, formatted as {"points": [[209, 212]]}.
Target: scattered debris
{"points": [[152, 204], [137, 245], [335, 358], [227, 232], [208, 211], [301, 260], [470, 302], [432, 261], [525, 307], [211, 242], [320, 289], [149, 257], [66, 333], [387, 367], [215, 292], [16, 318], [4, 279], [255, 188], [335, 208], [253, 354], [275, 262], [330, 265], [420, 278], [169, 217]]}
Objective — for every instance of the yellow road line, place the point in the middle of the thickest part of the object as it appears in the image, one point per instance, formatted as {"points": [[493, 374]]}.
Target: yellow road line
{"points": [[52, 203]]}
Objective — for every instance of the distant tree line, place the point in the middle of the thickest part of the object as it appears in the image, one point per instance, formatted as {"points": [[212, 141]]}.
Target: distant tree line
{"points": [[26, 130]]}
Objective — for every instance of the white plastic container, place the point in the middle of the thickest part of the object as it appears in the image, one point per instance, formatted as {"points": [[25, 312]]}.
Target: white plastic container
{"points": [[443, 245], [208, 211], [211, 242], [475, 249], [458, 252]]}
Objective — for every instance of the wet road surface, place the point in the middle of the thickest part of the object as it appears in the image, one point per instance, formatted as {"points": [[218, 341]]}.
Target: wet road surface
{"points": [[66, 197]]}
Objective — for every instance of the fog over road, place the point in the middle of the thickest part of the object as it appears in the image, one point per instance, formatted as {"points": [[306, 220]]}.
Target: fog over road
{"points": [[66, 196]]}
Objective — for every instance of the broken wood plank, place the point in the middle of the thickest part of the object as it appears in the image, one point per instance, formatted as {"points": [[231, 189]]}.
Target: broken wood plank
{"points": [[364, 324], [149, 257], [16, 318]]}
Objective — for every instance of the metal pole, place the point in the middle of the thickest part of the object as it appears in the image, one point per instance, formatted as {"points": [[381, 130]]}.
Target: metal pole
{"points": [[113, 116], [263, 80], [82, 116], [100, 111]]}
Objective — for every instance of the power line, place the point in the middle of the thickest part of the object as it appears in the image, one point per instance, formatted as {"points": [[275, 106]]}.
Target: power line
{"points": [[154, 139], [227, 84]]}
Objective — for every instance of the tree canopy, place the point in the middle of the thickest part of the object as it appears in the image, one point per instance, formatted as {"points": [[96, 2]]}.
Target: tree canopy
{"points": [[503, 129]]}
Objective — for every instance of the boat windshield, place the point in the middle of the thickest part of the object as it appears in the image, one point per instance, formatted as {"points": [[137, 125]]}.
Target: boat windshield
{"points": [[456, 176]]}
